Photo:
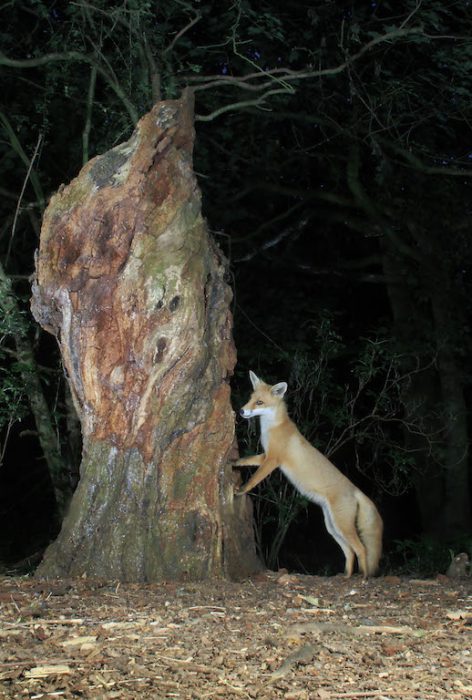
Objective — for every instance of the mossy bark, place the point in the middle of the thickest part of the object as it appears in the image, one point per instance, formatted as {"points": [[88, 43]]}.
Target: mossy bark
{"points": [[134, 288]]}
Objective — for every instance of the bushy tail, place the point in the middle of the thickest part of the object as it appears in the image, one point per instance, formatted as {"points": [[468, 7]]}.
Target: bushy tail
{"points": [[370, 527]]}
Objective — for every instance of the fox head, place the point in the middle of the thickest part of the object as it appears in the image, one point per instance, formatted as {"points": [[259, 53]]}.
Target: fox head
{"points": [[265, 399]]}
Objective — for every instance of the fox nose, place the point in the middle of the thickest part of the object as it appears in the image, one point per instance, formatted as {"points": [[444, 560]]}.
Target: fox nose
{"points": [[241, 412]]}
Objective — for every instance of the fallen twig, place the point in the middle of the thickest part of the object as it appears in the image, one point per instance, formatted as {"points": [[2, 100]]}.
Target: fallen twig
{"points": [[350, 630]]}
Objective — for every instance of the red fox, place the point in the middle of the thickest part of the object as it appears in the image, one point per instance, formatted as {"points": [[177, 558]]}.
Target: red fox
{"points": [[350, 517]]}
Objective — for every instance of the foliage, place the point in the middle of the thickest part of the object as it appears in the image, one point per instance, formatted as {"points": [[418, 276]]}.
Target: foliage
{"points": [[424, 557], [277, 506], [13, 390], [351, 402]]}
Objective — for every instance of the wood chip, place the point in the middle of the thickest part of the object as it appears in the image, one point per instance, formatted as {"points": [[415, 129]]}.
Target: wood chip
{"points": [[45, 671], [79, 641], [305, 654], [459, 614]]}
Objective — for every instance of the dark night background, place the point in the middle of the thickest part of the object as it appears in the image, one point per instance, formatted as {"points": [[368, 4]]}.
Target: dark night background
{"points": [[334, 165]]}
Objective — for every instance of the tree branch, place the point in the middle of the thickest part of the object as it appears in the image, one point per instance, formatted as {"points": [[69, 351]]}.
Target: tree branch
{"points": [[88, 115], [285, 76], [370, 207], [80, 58], [20, 198], [288, 75], [416, 163], [184, 30], [258, 102], [154, 73], [287, 191], [280, 236], [18, 148]]}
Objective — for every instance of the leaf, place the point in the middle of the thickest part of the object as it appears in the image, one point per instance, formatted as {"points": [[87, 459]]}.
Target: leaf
{"points": [[315, 602]]}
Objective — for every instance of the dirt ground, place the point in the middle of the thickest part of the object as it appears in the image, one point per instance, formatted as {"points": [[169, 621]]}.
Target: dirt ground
{"points": [[274, 636]]}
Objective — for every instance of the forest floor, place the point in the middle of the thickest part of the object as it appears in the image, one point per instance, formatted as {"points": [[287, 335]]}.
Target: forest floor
{"points": [[273, 636]]}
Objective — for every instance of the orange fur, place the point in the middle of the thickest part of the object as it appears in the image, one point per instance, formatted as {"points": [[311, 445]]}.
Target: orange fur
{"points": [[350, 516]]}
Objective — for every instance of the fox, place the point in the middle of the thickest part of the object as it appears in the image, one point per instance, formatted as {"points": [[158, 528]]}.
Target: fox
{"points": [[351, 518]]}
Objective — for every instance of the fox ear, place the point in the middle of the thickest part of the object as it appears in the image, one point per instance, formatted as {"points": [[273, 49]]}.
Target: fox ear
{"points": [[279, 389], [254, 379]]}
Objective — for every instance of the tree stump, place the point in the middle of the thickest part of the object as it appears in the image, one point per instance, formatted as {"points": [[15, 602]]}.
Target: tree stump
{"points": [[133, 287]]}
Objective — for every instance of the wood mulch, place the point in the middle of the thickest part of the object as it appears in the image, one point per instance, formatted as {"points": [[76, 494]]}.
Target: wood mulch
{"points": [[274, 636]]}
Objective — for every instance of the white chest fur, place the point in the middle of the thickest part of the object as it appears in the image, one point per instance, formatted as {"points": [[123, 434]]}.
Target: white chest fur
{"points": [[266, 422]]}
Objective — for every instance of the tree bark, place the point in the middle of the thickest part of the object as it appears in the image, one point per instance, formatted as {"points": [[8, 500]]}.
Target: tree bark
{"points": [[133, 287]]}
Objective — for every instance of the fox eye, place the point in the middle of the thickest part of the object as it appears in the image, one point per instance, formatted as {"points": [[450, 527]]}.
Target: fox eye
{"points": [[259, 403]]}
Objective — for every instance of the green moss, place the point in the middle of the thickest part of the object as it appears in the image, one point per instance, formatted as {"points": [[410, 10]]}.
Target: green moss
{"points": [[105, 168], [124, 524], [72, 195], [111, 169], [155, 268], [182, 481]]}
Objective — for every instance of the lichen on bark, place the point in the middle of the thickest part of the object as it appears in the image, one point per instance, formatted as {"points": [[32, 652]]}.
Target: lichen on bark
{"points": [[132, 285]]}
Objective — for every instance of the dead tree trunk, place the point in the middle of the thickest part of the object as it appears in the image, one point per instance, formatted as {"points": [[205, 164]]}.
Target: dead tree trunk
{"points": [[133, 287]]}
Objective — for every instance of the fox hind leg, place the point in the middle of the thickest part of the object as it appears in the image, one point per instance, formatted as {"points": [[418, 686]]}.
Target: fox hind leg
{"points": [[348, 541], [336, 535], [361, 554]]}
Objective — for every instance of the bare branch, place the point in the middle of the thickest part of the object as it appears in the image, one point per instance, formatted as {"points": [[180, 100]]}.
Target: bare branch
{"points": [[299, 193], [88, 115], [234, 106], [18, 148], [184, 30], [20, 198], [80, 58], [261, 71], [287, 75], [154, 72], [285, 233], [413, 12], [284, 76], [370, 207], [416, 163]]}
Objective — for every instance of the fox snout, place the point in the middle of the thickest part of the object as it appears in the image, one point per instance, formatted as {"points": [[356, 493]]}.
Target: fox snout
{"points": [[242, 412]]}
